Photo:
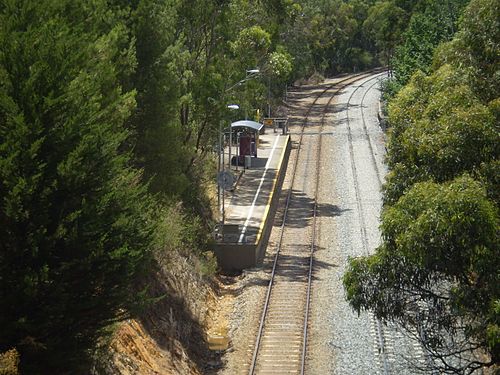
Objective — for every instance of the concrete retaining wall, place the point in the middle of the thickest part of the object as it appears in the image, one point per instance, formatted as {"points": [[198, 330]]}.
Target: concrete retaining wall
{"points": [[267, 226], [233, 257]]}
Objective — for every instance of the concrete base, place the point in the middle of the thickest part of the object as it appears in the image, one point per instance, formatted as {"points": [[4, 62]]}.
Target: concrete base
{"points": [[233, 257]]}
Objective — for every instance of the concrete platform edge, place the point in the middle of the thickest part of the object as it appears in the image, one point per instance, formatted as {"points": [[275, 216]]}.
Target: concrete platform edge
{"points": [[272, 205], [233, 257]]}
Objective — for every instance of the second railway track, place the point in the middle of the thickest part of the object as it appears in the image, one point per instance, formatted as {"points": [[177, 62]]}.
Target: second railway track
{"points": [[388, 339], [379, 332], [281, 344]]}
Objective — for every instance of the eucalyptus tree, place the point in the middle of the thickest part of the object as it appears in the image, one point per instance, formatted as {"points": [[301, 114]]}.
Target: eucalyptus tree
{"points": [[384, 25], [440, 130], [181, 49], [476, 48], [436, 272], [431, 23]]}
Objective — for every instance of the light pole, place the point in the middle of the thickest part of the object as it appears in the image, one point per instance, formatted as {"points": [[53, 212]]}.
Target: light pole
{"points": [[238, 150], [250, 73], [218, 176], [233, 107], [222, 176]]}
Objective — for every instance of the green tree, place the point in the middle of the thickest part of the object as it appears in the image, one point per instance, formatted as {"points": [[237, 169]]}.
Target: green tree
{"points": [[334, 36], [251, 46], [75, 222], [437, 273], [431, 23], [295, 38], [439, 130], [205, 41], [385, 24], [158, 80], [280, 65], [476, 49]]}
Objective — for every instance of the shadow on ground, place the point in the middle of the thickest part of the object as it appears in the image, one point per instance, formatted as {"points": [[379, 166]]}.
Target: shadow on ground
{"points": [[170, 322]]}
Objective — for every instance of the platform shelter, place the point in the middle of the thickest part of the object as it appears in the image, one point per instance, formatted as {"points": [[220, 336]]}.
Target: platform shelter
{"points": [[247, 135], [249, 207]]}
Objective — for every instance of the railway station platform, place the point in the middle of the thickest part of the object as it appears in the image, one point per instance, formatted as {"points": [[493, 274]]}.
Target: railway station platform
{"points": [[251, 204]]}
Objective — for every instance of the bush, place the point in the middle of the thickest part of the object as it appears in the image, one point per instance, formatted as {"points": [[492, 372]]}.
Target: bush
{"points": [[9, 362]]}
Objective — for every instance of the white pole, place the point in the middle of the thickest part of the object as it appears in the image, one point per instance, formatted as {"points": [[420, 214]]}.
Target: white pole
{"points": [[218, 173], [230, 144], [223, 190], [237, 150]]}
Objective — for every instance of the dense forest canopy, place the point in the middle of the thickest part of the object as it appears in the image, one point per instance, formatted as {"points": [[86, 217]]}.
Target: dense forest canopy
{"points": [[110, 110]]}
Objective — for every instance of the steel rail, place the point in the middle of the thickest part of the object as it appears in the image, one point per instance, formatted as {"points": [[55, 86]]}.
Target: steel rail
{"points": [[364, 236], [313, 242], [278, 247], [350, 79], [380, 178], [370, 146]]}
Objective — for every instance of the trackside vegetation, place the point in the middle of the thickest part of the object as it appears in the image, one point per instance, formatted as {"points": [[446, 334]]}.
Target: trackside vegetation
{"points": [[436, 272], [109, 113], [109, 119]]}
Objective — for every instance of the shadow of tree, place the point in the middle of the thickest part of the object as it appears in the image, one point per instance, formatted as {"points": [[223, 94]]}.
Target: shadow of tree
{"points": [[169, 321], [293, 265], [300, 210], [259, 162], [329, 210], [247, 187]]}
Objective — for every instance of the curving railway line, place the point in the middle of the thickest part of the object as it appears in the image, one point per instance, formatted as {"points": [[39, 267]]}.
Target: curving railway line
{"points": [[376, 325], [281, 346], [395, 352]]}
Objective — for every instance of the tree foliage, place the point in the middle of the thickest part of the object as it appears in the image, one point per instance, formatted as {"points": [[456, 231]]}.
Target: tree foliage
{"points": [[436, 273], [439, 131], [76, 223], [280, 65], [476, 49], [328, 37], [384, 25], [158, 80], [251, 45], [109, 112], [431, 23]]}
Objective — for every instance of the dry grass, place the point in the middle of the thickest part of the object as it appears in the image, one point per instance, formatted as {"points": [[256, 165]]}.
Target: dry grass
{"points": [[9, 362]]}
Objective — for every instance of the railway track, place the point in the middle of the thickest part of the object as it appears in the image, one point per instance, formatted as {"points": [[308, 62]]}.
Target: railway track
{"points": [[387, 339], [379, 331], [281, 343]]}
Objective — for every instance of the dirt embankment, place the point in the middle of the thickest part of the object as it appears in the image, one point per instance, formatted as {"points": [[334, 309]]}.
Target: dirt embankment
{"points": [[171, 336]]}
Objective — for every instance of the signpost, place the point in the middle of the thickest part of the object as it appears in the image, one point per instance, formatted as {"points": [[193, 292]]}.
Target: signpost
{"points": [[225, 179], [276, 123]]}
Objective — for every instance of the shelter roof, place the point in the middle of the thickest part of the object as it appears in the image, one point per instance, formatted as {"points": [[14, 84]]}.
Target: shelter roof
{"points": [[256, 126]]}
